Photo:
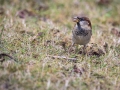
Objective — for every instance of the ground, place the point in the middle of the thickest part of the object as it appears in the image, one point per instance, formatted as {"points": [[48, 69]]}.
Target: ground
{"points": [[37, 36]]}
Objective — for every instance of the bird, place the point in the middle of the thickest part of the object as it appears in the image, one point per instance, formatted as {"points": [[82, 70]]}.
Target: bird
{"points": [[82, 31]]}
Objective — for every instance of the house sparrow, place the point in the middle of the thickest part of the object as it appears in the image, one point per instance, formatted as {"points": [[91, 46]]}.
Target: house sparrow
{"points": [[82, 31]]}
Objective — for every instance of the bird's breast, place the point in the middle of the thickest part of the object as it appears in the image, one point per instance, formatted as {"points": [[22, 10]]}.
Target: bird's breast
{"points": [[81, 38]]}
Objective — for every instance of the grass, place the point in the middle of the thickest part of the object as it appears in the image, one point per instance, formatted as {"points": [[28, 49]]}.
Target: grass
{"points": [[41, 35]]}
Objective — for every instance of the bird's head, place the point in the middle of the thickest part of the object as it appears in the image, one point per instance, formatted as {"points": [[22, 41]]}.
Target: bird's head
{"points": [[82, 20]]}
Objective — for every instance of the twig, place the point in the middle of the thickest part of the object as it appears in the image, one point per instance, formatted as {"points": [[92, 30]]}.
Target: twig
{"points": [[63, 57], [4, 54]]}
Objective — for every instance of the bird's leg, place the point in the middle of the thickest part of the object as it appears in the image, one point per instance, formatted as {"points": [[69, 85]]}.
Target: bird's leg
{"points": [[84, 49], [76, 48], [71, 46]]}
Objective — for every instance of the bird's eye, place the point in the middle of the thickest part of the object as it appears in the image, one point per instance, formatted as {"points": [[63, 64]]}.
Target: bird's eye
{"points": [[82, 19]]}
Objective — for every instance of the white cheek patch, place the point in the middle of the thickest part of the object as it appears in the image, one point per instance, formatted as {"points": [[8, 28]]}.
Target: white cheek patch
{"points": [[83, 23]]}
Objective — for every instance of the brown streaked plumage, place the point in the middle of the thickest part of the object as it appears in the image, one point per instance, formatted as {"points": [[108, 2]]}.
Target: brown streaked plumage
{"points": [[82, 31]]}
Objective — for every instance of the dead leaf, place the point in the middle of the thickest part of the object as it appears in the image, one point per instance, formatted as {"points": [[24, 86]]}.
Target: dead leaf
{"points": [[78, 70], [24, 13], [94, 50], [115, 32]]}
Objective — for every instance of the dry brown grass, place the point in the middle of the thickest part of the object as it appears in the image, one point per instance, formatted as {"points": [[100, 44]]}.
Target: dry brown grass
{"points": [[36, 33]]}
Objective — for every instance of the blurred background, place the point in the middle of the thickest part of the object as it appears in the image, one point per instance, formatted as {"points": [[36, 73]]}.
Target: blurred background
{"points": [[62, 11]]}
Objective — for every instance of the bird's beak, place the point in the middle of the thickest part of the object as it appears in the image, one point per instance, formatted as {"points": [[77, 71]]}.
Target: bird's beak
{"points": [[75, 19]]}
